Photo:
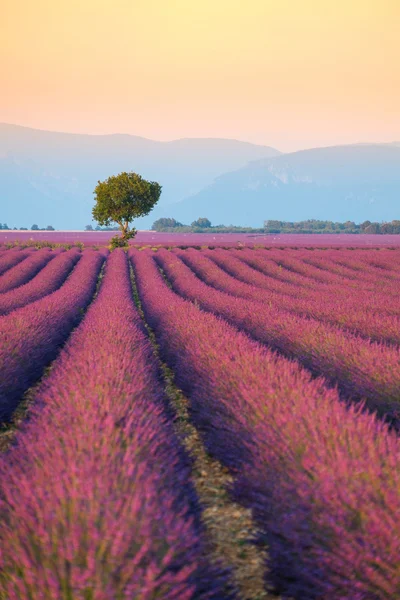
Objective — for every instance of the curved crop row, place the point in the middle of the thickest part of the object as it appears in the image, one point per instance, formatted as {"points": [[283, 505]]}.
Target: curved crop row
{"points": [[372, 287], [235, 277], [96, 498], [320, 477], [361, 369], [385, 262], [30, 336], [280, 276], [381, 266], [377, 291], [267, 263], [45, 282], [318, 276], [10, 258], [270, 275], [26, 270], [324, 263], [372, 281]]}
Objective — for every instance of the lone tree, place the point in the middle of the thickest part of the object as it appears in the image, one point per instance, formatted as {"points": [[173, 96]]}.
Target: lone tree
{"points": [[122, 198]]}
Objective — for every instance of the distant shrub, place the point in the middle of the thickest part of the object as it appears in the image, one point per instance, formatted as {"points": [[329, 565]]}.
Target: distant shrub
{"points": [[165, 223], [202, 222]]}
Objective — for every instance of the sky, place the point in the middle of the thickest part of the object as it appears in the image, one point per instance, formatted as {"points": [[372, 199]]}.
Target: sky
{"points": [[286, 73]]}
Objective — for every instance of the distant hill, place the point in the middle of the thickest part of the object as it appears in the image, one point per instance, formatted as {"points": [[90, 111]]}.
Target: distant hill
{"points": [[341, 183], [48, 177]]}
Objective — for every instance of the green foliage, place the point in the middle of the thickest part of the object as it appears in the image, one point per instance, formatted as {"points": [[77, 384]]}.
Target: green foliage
{"points": [[34, 227], [202, 222], [122, 198], [168, 224], [164, 223], [122, 241], [42, 244], [393, 227], [317, 226]]}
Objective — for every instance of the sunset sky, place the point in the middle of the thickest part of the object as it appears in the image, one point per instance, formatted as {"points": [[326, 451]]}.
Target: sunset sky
{"points": [[287, 73]]}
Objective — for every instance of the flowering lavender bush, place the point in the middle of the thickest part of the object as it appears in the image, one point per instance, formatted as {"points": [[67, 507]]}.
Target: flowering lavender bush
{"points": [[367, 314], [10, 258], [45, 282], [26, 269], [96, 495], [320, 477], [31, 336], [96, 499], [350, 293], [360, 368]]}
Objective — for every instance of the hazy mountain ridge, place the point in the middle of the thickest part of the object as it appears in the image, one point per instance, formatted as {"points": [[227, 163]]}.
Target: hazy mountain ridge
{"points": [[357, 182], [49, 177]]}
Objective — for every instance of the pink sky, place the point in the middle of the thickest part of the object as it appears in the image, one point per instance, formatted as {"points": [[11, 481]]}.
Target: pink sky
{"points": [[290, 74]]}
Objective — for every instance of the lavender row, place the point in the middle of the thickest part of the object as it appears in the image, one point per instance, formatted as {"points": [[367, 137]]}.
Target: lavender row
{"points": [[376, 292], [236, 277], [372, 287], [362, 277], [320, 268], [10, 258], [360, 368], [96, 498], [45, 282], [384, 261], [271, 266], [31, 336], [293, 266], [326, 262], [367, 264], [273, 272], [26, 270], [226, 272], [240, 268], [321, 478]]}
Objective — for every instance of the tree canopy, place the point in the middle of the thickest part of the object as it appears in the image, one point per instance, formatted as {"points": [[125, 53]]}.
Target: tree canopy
{"points": [[122, 198], [201, 222], [320, 226], [164, 223]]}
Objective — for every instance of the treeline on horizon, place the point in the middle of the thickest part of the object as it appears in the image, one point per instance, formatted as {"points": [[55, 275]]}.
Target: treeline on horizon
{"points": [[317, 226], [203, 225], [5, 227]]}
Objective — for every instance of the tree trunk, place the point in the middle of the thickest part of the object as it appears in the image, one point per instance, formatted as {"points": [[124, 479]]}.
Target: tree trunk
{"points": [[124, 228]]}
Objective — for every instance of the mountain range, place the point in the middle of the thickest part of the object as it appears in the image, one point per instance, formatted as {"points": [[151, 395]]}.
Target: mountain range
{"points": [[341, 183], [48, 178]]}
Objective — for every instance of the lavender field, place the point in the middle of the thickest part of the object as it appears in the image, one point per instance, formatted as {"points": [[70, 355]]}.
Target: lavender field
{"points": [[213, 423], [153, 238]]}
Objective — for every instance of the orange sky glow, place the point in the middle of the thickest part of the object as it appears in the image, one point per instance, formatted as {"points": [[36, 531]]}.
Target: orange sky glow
{"points": [[290, 73]]}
